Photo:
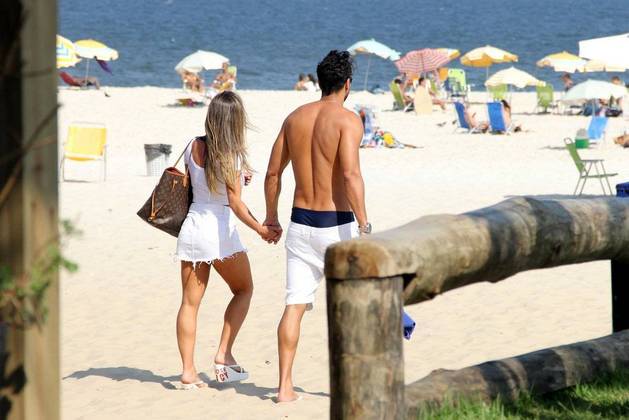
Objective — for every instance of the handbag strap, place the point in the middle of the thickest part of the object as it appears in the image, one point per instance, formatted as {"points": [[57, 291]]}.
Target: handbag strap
{"points": [[184, 151]]}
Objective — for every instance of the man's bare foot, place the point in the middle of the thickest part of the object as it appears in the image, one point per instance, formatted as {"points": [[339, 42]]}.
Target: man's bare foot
{"points": [[287, 396]]}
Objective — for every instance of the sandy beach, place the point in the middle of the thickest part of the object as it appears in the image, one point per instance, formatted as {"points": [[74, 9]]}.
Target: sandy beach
{"points": [[119, 351]]}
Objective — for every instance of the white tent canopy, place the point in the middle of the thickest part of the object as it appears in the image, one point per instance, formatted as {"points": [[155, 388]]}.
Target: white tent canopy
{"points": [[611, 50]]}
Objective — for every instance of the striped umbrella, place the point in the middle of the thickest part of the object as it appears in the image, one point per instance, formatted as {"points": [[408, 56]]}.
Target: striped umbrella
{"points": [[422, 61]]}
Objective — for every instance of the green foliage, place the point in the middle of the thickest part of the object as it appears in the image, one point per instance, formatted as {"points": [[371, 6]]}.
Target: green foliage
{"points": [[605, 398], [22, 297]]}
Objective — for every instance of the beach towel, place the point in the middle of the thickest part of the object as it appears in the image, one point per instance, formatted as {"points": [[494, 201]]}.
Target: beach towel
{"points": [[408, 325]]}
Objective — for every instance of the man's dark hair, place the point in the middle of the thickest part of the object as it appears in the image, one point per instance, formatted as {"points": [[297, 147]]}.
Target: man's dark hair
{"points": [[334, 70]]}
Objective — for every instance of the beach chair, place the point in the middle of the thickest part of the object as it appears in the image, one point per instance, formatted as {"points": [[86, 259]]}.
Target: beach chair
{"points": [[398, 98], [457, 83], [498, 93], [422, 102], [69, 80], [597, 129], [545, 98], [85, 142], [585, 167], [496, 119], [462, 123]]}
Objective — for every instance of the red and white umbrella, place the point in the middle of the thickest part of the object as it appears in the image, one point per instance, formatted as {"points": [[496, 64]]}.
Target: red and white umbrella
{"points": [[422, 61]]}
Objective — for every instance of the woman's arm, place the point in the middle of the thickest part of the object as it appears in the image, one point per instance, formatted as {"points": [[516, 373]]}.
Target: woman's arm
{"points": [[242, 212]]}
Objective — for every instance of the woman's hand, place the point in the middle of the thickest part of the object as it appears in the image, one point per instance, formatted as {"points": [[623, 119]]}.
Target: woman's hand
{"points": [[248, 176]]}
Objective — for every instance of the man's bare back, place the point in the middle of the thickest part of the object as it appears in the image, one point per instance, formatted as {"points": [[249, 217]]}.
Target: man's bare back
{"points": [[313, 134]]}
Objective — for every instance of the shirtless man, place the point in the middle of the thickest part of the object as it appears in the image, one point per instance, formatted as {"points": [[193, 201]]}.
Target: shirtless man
{"points": [[322, 140]]}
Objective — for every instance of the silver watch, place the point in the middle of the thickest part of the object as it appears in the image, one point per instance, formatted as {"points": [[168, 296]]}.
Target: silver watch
{"points": [[366, 229]]}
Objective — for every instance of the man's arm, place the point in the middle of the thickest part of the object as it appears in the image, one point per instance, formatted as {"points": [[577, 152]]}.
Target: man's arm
{"points": [[273, 181], [351, 136]]}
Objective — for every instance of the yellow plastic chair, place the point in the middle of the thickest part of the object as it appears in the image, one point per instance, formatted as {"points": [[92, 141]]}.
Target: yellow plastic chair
{"points": [[85, 142]]}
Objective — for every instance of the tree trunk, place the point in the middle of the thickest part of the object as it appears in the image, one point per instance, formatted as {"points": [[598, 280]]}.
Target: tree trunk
{"points": [[365, 342], [440, 253], [539, 372]]}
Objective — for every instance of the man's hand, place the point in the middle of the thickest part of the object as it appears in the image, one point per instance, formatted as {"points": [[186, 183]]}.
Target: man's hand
{"points": [[274, 226]]}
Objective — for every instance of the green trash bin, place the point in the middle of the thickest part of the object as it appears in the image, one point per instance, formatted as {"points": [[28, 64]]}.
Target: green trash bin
{"points": [[581, 140]]}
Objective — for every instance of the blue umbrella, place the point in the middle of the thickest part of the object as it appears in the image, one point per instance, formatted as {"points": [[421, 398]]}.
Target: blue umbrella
{"points": [[373, 47]]}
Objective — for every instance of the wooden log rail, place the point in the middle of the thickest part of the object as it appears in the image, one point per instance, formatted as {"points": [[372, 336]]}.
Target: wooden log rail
{"points": [[370, 279]]}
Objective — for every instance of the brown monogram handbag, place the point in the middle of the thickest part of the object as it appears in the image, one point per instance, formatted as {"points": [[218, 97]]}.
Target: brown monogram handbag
{"points": [[168, 205]]}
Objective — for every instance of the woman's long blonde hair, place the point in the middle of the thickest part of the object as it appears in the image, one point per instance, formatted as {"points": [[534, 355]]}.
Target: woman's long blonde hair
{"points": [[225, 142]]}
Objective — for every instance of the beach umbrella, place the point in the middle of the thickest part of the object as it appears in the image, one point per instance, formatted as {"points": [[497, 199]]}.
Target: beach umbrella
{"points": [[201, 60], [371, 47], [611, 50], [594, 89], [450, 52], [66, 54], [513, 77], [422, 61], [487, 56], [92, 49], [563, 62]]}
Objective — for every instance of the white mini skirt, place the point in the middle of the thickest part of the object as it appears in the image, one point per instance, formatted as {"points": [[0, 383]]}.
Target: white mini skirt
{"points": [[208, 233]]}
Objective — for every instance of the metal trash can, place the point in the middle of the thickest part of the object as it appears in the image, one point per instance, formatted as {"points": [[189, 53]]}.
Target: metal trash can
{"points": [[157, 156]]}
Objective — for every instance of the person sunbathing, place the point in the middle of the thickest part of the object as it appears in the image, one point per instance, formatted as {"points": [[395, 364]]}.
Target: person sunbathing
{"points": [[435, 100], [405, 96], [506, 116], [192, 81], [470, 119]]}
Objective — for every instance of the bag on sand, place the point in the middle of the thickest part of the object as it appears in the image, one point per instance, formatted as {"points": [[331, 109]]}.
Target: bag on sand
{"points": [[168, 205]]}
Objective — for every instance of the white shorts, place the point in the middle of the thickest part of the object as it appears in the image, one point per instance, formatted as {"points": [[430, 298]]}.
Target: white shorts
{"points": [[305, 252]]}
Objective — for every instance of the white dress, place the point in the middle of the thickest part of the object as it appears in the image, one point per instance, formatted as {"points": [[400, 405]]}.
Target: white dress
{"points": [[209, 231]]}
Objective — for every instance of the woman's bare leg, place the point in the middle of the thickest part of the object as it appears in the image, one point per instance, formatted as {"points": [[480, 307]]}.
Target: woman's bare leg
{"points": [[193, 284], [236, 272]]}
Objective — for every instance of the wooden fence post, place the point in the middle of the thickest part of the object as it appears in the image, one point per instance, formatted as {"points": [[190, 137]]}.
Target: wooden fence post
{"points": [[620, 296], [29, 213], [365, 342]]}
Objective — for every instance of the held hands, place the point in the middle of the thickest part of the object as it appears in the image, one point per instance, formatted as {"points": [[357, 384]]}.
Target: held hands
{"points": [[271, 233], [273, 229]]}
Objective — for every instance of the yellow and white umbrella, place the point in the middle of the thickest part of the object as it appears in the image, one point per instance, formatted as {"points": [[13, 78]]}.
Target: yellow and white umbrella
{"points": [[513, 77], [89, 48], [66, 54], [563, 61], [452, 53], [487, 56]]}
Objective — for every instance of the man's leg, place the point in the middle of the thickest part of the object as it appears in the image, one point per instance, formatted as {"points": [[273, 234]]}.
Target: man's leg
{"points": [[287, 339]]}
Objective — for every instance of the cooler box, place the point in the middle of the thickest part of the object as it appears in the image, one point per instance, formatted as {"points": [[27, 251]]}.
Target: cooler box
{"points": [[581, 139]]}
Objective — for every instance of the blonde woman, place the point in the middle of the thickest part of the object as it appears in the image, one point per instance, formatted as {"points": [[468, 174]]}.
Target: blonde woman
{"points": [[208, 236]]}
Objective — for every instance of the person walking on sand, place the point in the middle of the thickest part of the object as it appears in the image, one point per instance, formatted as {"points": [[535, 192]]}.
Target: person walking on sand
{"points": [[321, 140], [208, 238]]}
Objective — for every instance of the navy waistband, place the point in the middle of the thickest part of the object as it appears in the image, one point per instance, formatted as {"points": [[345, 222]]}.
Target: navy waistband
{"points": [[321, 219]]}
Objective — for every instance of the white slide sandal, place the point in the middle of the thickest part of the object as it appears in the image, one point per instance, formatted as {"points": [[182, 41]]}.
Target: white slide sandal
{"points": [[192, 386], [230, 373]]}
